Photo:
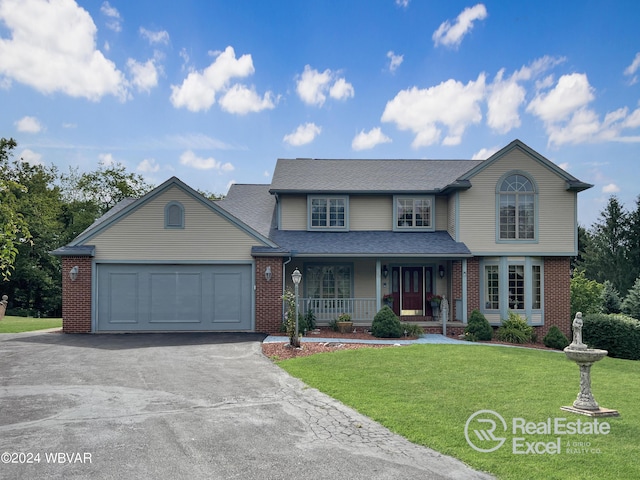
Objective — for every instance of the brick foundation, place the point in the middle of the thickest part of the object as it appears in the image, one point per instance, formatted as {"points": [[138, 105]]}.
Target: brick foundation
{"points": [[76, 296], [268, 295]]}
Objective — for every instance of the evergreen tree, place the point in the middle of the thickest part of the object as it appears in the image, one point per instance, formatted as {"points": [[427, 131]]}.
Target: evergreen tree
{"points": [[606, 255], [611, 302], [631, 303]]}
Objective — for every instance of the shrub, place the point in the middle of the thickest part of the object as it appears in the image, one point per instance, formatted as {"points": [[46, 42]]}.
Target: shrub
{"points": [[478, 327], [586, 295], [555, 339], [616, 333], [386, 324], [310, 320], [333, 325], [514, 330], [412, 329]]}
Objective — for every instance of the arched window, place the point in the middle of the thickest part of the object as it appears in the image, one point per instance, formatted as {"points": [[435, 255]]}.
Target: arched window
{"points": [[174, 215], [517, 208]]}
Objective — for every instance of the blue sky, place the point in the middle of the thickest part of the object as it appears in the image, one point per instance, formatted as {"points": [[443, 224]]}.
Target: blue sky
{"points": [[215, 91]]}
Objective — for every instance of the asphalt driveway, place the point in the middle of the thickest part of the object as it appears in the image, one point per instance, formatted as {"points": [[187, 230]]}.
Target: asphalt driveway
{"points": [[197, 406]]}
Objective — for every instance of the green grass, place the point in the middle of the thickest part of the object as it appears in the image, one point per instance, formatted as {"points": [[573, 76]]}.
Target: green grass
{"points": [[25, 324], [427, 392]]}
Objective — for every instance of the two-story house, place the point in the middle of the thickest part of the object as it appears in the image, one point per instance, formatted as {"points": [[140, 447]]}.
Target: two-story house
{"points": [[495, 235]]}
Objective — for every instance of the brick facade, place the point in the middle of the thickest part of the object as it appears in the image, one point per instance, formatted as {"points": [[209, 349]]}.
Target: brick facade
{"points": [[76, 295], [268, 295], [557, 296]]}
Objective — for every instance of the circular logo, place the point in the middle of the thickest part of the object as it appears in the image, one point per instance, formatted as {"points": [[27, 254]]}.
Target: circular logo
{"points": [[480, 431]]}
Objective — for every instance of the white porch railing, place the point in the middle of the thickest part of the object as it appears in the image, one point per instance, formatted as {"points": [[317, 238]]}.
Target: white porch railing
{"points": [[327, 309]]}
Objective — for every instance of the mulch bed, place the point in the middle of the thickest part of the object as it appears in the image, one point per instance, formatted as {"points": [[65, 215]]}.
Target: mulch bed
{"points": [[282, 351]]}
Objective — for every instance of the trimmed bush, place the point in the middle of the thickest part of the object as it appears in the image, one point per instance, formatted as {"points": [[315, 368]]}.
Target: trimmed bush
{"points": [[412, 329], [386, 324], [478, 327], [618, 334], [514, 330], [555, 339]]}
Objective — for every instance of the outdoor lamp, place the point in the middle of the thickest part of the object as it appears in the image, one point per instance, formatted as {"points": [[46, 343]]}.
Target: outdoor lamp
{"points": [[441, 271], [385, 271], [73, 273], [267, 273], [296, 276]]}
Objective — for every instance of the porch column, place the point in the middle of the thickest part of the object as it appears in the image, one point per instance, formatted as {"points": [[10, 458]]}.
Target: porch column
{"points": [[378, 284], [464, 290]]}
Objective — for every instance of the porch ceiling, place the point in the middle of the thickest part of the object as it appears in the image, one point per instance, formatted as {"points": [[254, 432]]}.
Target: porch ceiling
{"points": [[367, 244]]}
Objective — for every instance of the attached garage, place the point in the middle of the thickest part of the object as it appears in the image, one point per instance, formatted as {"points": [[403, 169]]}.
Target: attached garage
{"points": [[156, 298], [171, 261]]}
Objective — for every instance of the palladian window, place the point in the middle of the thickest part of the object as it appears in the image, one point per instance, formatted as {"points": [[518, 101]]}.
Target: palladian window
{"points": [[517, 208]]}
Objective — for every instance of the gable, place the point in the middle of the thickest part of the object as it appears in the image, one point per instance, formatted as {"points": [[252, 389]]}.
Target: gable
{"points": [[139, 232]]}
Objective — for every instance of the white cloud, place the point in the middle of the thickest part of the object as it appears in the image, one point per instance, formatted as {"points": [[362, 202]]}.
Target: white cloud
{"points": [[241, 100], [313, 86], [106, 159], [571, 93], [565, 112], [610, 188], [341, 90], [368, 140], [484, 153], [148, 165], [402, 3], [52, 48], [145, 75], [31, 157], [29, 125], [161, 36], [632, 69], [564, 166], [198, 91], [503, 103], [394, 60], [449, 34], [303, 134], [190, 159], [114, 22], [450, 104]]}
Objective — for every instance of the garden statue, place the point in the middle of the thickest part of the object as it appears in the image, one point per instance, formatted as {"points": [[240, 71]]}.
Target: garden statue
{"points": [[3, 306]]}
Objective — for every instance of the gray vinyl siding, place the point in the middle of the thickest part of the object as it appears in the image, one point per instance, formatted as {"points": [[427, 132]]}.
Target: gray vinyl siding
{"points": [[556, 210], [142, 235], [441, 213], [451, 216]]}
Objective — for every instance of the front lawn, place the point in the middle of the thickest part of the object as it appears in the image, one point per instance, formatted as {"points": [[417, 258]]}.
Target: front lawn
{"points": [[428, 392], [26, 324]]}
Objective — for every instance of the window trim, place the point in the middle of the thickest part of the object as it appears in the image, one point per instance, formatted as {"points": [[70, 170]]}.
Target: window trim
{"points": [[168, 207], [536, 208], [328, 228], [432, 214], [503, 263]]}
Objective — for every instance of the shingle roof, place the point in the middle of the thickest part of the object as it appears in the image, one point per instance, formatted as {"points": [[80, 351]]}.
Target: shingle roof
{"points": [[251, 204], [365, 243], [360, 176]]}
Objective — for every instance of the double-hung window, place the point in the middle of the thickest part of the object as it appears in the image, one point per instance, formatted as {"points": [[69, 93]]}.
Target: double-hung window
{"points": [[516, 208], [413, 213], [328, 212]]}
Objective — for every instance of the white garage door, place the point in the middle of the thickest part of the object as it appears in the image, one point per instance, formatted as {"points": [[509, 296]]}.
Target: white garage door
{"points": [[159, 298]]}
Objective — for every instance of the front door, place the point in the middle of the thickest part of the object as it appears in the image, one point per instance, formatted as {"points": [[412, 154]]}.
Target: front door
{"points": [[409, 286], [412, 302]]}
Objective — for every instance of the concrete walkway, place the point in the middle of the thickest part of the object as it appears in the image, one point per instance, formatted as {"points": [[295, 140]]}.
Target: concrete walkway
{"points": [[427, 338]]}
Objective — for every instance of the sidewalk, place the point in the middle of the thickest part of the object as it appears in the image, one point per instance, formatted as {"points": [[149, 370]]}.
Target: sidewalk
{"points": [[427, 338]]}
